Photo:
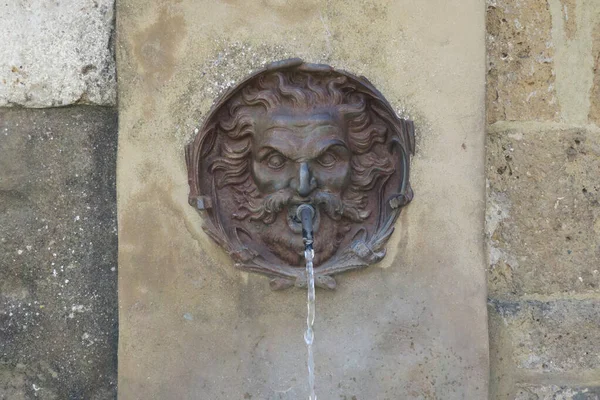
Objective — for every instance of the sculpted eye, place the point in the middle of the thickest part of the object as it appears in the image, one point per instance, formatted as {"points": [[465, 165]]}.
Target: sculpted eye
{"points": [[276, 161], [327, 159]]}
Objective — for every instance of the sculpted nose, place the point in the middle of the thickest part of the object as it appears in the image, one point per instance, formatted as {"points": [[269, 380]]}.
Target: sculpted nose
{"points": [[306, 182]]}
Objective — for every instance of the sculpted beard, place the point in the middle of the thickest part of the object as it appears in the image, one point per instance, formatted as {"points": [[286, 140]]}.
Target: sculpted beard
{"points": [[272, 210]]}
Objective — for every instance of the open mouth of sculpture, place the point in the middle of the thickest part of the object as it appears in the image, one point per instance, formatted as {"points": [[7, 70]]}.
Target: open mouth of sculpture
{"points": [[294, 222]]}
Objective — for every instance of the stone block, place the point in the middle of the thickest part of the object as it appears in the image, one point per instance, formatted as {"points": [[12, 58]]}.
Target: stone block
{"points": [[57, 53], [553, 392], [536, 342], [543, 211], [554, 336], [58, 296], [520, 51]]}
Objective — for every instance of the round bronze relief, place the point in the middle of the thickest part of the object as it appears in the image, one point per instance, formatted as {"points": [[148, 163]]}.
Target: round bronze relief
{"points": [[294, 133]]}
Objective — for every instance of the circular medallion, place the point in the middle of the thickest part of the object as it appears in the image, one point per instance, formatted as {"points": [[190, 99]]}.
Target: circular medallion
{"points": [[294, 133]]}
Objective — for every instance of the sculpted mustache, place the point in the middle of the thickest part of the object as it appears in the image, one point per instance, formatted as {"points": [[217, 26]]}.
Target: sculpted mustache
{"points": [[330, 203]]}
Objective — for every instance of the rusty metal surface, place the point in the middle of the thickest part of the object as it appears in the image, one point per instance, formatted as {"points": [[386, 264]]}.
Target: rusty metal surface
{"points": [[294, 133]]}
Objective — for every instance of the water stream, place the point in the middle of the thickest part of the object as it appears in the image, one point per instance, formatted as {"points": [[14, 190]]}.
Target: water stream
{"points": [[309, 335], [305, 214]]}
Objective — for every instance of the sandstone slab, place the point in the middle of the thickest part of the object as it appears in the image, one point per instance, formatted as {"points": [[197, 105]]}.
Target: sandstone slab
{"points": [[56, 53], [192, 326], [543, 218], [554, 336], [520, 76], [534, 343]]}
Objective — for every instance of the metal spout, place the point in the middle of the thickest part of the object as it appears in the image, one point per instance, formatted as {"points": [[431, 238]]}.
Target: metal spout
{"points": [[305, 213]]}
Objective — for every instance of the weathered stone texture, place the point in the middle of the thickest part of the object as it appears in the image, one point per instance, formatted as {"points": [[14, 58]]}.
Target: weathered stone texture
{"points": [[543, 211], [536, 342], [595, 92], [58, 279], [553, 392], [520, 80], [57, 53], [543, 201], [555, 336]]}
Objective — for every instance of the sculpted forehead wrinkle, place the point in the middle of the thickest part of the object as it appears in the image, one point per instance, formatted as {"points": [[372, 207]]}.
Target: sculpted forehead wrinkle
{"points": [[305, 131], [284, 116], [296, 133], [299, 121], [305, 125]]}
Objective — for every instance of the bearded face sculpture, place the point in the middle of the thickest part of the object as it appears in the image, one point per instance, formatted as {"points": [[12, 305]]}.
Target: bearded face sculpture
{"points": [[295, 133]]}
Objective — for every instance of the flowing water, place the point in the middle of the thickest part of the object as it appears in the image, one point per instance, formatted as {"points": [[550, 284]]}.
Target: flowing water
{"points": [[309, 335]]}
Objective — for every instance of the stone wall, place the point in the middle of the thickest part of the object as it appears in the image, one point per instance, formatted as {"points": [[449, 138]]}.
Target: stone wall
{"points": [[543, 211], [58, 313], [58, 237]]}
